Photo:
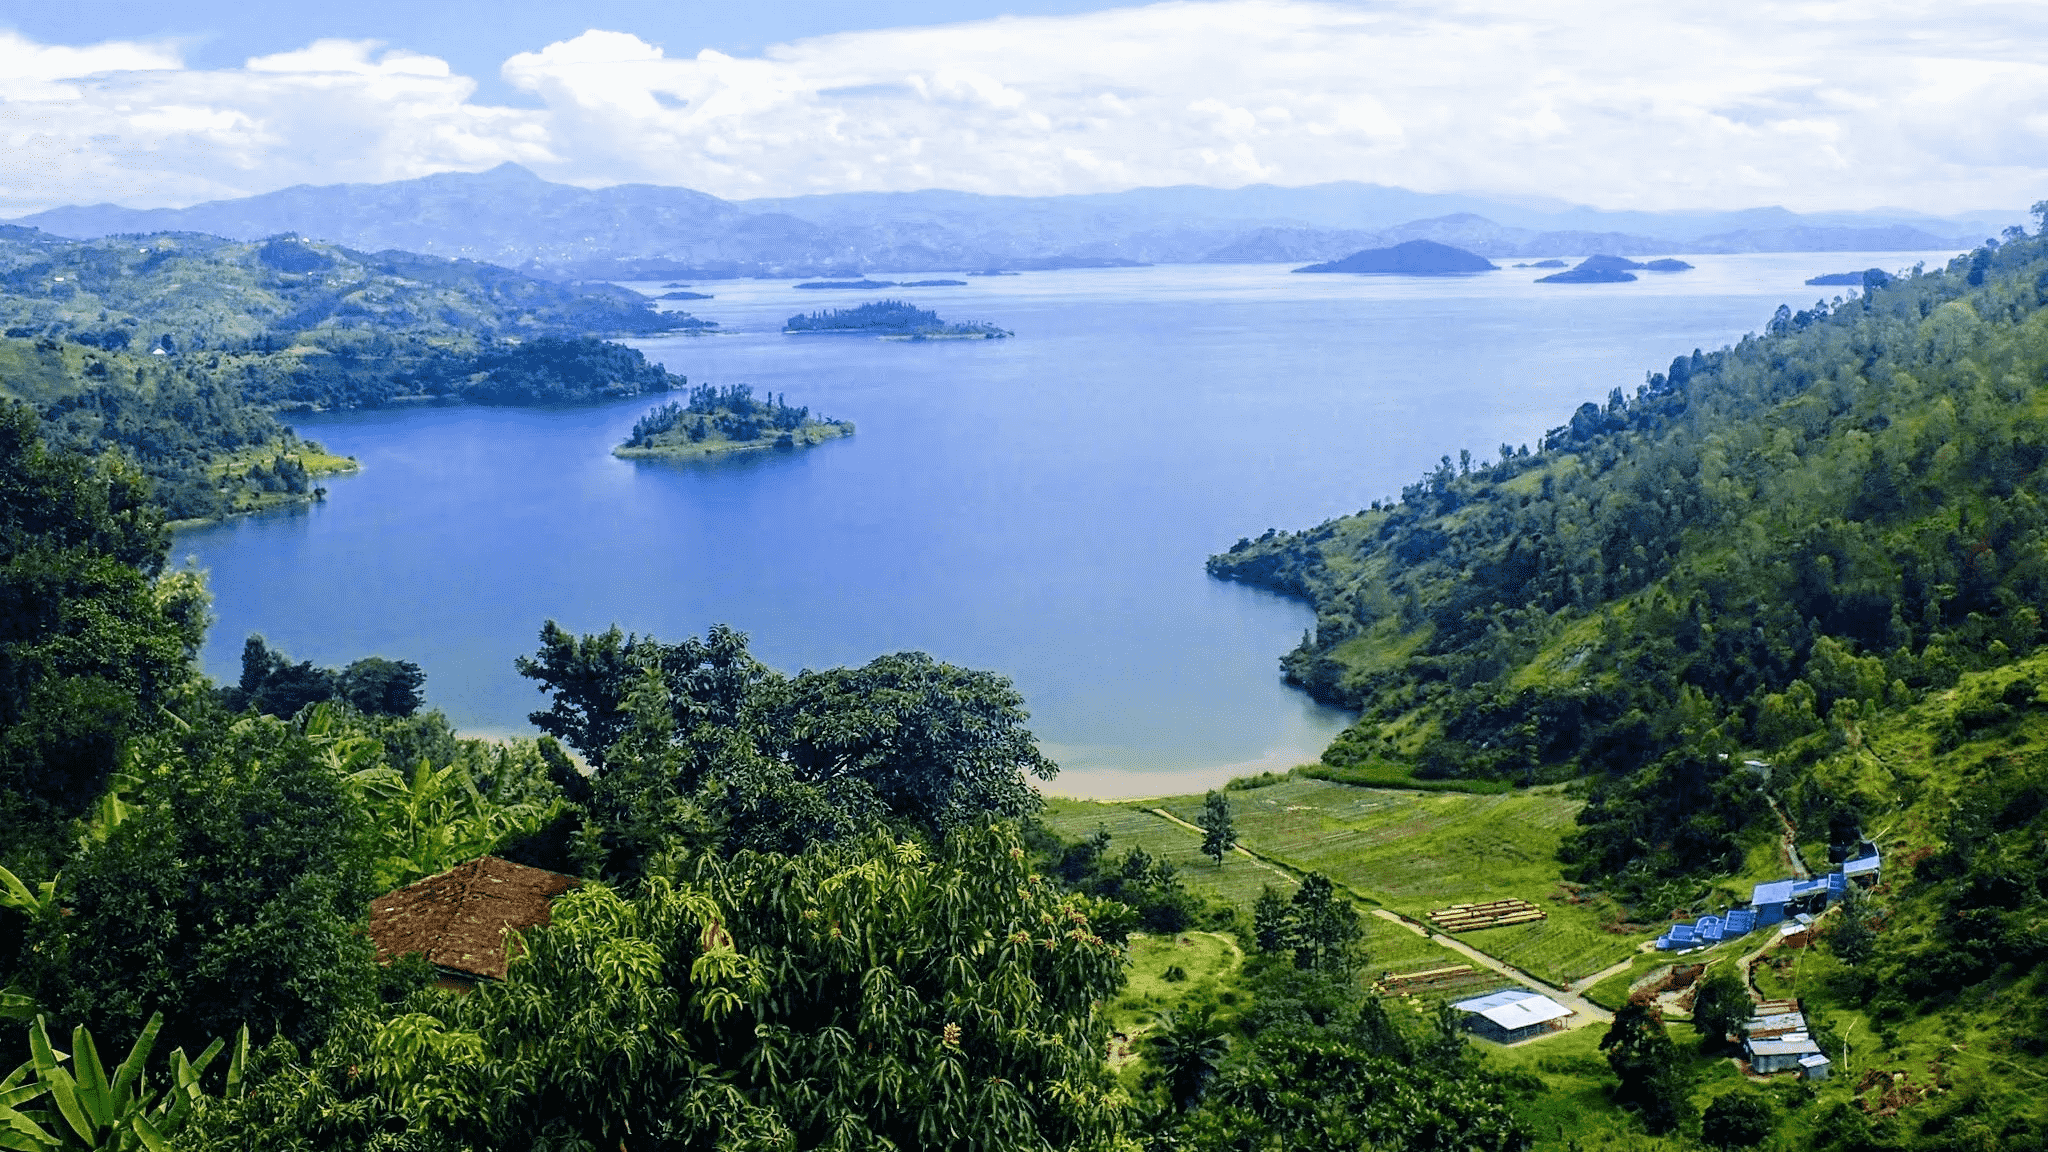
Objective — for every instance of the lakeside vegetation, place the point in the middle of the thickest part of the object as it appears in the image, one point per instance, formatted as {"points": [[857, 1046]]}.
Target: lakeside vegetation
{"points": [[729, 419]]}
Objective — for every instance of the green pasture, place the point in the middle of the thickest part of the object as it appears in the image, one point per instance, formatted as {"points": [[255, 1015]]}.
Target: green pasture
{"points": [[1237, 879]]}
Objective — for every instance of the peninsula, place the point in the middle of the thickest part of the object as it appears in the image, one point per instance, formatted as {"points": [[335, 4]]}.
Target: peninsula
{"points": [[1411, 258], [893, 320], [720, 420]]}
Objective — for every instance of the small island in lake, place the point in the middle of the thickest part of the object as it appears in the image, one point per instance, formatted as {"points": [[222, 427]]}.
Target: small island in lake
{"points": [[1608, 270], [1868, 278], [1410, 258], [684, 296], [1595, 270], [892, 320], [1543, 264], [718, 420]]}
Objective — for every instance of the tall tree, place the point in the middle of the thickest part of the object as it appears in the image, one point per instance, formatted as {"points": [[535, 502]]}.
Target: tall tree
{"points": [[1218, 834], [1720, 1004], [93, 636], [1323, 927], [1646, 1062]]}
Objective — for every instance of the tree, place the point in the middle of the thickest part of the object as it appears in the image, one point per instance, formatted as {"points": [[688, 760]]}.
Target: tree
{"points": [[93, 635], [1188, 1046], [228, 894], [1323, 927], [1737, 1119], [1852, 938], [1646, 1062], [1218, 836], [1720, 1004], [1269, 920]]}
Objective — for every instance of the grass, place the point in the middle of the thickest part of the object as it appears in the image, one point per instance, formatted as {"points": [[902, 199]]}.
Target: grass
{"points": [[1236, 880], [1208, 959], [1574, 1110]]}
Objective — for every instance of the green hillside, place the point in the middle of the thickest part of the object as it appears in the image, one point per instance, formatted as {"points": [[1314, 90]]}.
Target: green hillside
{"points": [[177, 349], [1822, 551]]}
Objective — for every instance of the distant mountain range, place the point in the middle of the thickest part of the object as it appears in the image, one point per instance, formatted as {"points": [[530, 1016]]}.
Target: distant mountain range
{"points": [[511, 217]]}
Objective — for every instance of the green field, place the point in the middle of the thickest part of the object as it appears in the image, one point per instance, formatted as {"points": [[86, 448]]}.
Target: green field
{"points": [[1414, 851], [1237, 879]]}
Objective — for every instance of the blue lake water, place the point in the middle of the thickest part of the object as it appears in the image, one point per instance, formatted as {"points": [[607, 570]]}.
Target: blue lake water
{"points": [[1038, 506]]}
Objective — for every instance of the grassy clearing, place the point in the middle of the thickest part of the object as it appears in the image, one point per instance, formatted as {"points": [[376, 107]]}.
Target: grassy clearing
{"points": [[1414, 851], [1207, 961], [1575, 1112]]}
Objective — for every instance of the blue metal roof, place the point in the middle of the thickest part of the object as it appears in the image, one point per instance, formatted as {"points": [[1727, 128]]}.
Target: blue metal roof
{"points": [[1741, 921], [1775, 892]]}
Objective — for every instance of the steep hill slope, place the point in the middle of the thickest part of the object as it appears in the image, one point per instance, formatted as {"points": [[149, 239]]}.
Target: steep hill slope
{"points": [[1845, 512]]}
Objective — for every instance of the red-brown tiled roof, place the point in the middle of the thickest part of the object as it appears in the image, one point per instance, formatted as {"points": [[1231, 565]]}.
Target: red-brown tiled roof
{"points": [[457, 920]]}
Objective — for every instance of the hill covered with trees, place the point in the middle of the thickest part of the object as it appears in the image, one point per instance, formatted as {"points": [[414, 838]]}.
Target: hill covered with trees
{"points": [[179, 350], [893, 320], [730, 419]]}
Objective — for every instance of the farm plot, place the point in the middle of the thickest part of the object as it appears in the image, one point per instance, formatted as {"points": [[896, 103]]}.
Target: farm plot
{"points": [[1418, 851]]}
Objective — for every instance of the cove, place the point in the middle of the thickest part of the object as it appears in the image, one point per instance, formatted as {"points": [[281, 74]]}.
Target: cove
{"points": [[1039, 506]]}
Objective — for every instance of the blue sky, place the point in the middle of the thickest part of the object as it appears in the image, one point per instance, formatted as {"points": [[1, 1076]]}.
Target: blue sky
{"points": [[1809, 104]]}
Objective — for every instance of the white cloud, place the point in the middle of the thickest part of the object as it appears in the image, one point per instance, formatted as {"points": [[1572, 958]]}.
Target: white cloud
{"points": [[1619, 104]]}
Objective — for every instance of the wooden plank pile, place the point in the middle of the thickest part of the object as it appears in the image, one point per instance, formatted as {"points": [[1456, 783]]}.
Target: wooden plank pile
{"points": [[1431, 980], [1493, 914]]}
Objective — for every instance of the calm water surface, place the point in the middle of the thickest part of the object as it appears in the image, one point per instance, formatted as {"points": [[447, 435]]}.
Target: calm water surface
{"points": [[1038, 506]]}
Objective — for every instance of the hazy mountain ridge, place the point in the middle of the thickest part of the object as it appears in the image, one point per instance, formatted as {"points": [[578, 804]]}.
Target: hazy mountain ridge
{"points": [[511, 217]]}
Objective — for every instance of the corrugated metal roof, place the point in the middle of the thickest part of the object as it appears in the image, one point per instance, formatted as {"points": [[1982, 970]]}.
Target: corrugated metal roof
{"points": [[1792, 1044], [1741, 921], [1515, 1008], [1814, 1061], [1862, 865]]}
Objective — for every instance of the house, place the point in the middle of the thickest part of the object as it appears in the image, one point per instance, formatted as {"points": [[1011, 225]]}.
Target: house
{"points": [[1863, 868], [1814, 1067], [1778, 1053], [1514, 1015], [458, 919], [1708, 930]]}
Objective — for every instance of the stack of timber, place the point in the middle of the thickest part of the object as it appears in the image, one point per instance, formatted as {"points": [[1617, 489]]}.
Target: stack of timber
{"points": [[1493, 914], [1431, 980]]}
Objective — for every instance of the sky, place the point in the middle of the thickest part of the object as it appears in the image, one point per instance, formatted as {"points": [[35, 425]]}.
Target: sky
{"points": [[1729, 104]]}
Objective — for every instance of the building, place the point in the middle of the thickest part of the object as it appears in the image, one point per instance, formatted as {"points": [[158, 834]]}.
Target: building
{"points": [[1779, 1053], [1514, 1015], [1774, 1025], [1864, 867], [458, 919], [1708, 930], [1814, 1067]]}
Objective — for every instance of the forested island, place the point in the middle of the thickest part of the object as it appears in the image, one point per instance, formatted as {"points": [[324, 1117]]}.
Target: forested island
{"points": [[1861, 279], [892, 320], [1608, 269], [1410, 258], [871, 284], [729, 419], [181, 350]]}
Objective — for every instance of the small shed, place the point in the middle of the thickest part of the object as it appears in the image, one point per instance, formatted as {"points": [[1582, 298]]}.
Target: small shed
{"points": [[1814, 1067], [1864, 868], [1513, 1015], [1779, 1053], [458, 919]]}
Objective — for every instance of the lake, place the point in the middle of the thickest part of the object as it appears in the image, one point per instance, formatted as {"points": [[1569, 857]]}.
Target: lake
{"points": [[1039, 506]]}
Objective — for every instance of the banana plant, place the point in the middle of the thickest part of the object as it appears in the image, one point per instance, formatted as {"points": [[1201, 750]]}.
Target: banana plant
{"points": [[87, 1111], [38, 903], [437, 818]]}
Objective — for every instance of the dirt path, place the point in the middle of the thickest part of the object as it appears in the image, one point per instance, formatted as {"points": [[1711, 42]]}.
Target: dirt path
{"points": [[1240, 849], [1791, 844]]}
